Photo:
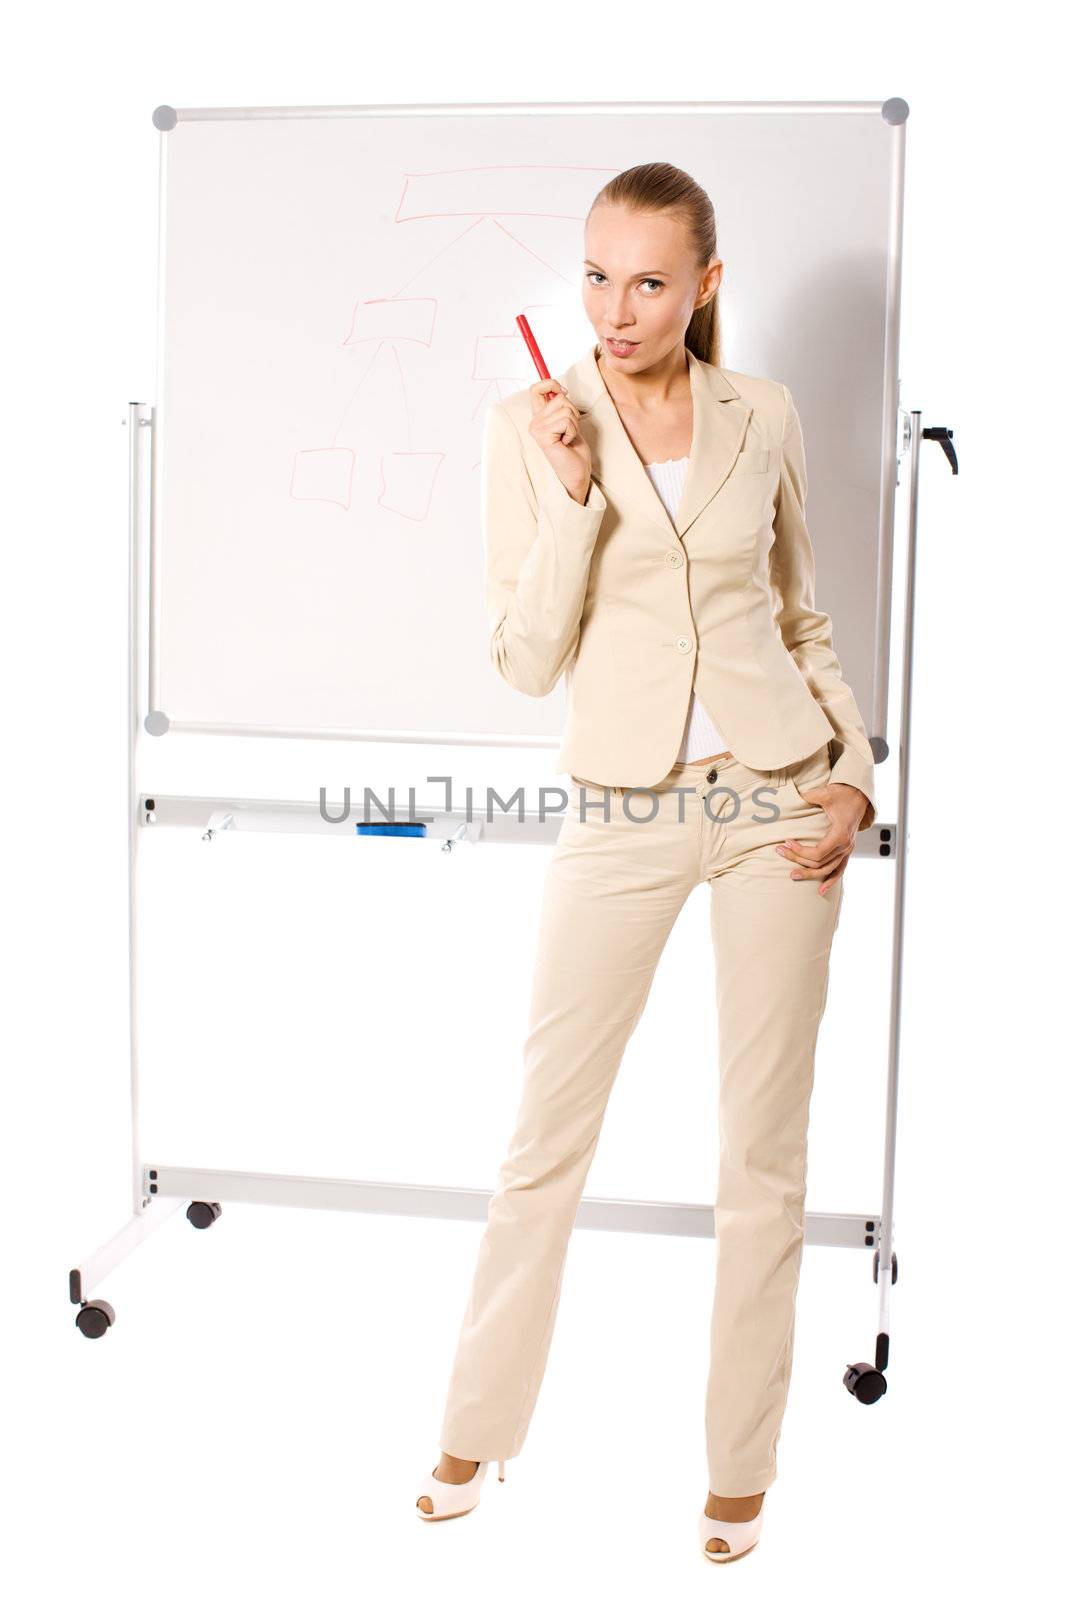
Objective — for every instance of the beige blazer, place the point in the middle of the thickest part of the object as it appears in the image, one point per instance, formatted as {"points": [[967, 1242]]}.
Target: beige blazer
{"points": [[637, 611]]}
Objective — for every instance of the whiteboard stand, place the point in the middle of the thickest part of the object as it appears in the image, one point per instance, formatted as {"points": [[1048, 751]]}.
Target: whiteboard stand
{"points": [[159, 1191]]}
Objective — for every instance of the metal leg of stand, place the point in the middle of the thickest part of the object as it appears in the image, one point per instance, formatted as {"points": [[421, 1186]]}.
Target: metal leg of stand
{"points": [[866, 1380]]}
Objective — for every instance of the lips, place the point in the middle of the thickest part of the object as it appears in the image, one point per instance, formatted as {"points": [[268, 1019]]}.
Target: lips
{"points": [[623, 344]]}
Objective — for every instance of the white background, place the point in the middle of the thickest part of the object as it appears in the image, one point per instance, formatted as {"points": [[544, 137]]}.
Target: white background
{"points": [[259, 1416]]}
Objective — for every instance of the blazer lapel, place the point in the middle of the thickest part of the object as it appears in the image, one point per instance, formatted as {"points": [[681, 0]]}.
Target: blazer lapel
{"points": [[719, 427]]}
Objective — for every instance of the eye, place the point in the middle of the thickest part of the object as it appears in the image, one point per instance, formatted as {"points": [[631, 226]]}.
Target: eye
{"points": [[658, 282]]}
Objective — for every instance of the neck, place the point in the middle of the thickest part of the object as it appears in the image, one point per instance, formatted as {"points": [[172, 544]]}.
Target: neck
{"points": [[657, 386]]}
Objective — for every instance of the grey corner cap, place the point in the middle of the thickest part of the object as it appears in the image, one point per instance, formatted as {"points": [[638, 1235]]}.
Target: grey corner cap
{"points": [[895, 111], [157, 722], [164, 118]]}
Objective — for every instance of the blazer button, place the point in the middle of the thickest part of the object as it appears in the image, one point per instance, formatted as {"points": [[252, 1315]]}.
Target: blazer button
{"points": [[674, 559], [683, 643]]}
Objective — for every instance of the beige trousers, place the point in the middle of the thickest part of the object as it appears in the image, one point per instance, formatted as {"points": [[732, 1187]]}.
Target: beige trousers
{"points": [[614, 887]]}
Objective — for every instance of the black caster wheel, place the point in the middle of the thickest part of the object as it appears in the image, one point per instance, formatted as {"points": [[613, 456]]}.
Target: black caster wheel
{"points": [[893, 1267], [865, 1382], [94, 1318], [203, 1213]]}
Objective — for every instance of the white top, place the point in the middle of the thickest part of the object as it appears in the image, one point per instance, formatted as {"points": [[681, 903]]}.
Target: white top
{"points": [[701, 736]]}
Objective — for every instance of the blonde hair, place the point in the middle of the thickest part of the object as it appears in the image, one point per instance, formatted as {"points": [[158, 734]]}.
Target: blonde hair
{"points": [[657, 186]]}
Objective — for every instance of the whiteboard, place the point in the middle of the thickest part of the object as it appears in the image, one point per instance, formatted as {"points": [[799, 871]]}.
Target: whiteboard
{"points": [[337, 301]]}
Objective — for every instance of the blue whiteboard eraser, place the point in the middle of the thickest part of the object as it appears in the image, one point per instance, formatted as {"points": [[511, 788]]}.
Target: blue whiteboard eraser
{"points": [[393, 830]]}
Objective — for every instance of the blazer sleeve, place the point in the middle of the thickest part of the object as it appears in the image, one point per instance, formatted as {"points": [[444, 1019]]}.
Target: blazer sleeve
{"points": [[537, 559], [807, 632]]}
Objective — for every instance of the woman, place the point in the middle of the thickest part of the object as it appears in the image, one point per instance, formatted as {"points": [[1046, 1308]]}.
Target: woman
{"points": [[646, 536]]}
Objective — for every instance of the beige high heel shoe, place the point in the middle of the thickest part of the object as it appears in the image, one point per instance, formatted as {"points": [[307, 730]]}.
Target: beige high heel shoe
{"points": [[453, 1499], [740, 1537]]}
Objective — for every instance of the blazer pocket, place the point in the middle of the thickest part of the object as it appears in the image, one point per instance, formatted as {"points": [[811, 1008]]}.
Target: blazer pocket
{"points": [[748, 461]]}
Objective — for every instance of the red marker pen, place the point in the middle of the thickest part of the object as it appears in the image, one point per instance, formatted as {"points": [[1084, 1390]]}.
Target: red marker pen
{"points": [[535, 354]]}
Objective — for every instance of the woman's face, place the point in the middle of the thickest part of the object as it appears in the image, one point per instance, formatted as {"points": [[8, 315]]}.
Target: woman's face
{"points": [[641, 284]]}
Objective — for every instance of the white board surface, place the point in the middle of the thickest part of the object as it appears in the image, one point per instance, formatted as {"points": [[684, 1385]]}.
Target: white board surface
{"points": [[338, 297]]}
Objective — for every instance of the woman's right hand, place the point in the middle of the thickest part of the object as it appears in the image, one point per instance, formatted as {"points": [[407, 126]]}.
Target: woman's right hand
{"points": [[555, 428]]}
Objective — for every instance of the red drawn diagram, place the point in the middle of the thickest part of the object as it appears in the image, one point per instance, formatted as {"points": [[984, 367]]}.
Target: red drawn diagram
{"points": [[378, 442]]}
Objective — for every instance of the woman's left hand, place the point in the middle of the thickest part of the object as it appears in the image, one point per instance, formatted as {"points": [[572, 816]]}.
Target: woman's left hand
{"points": [[828, 857]]}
